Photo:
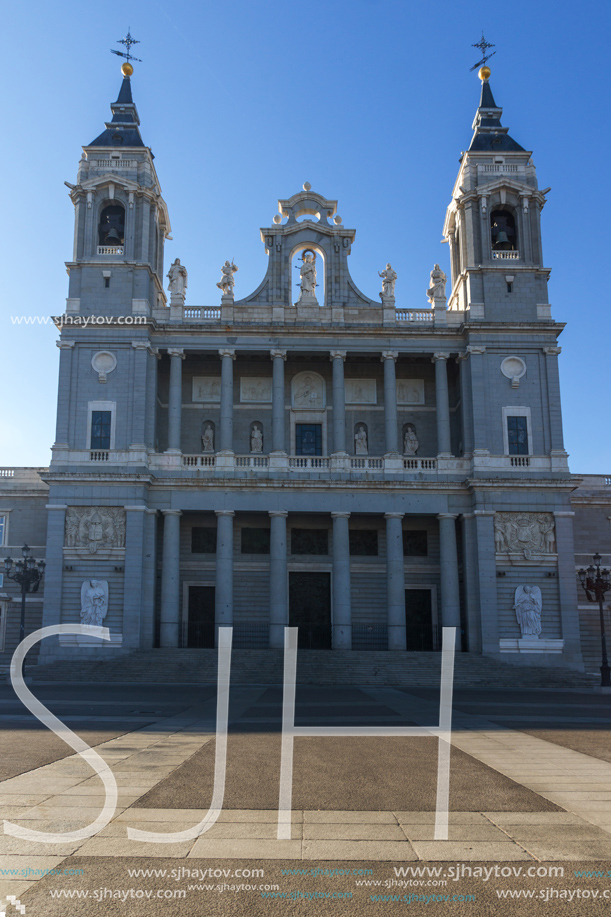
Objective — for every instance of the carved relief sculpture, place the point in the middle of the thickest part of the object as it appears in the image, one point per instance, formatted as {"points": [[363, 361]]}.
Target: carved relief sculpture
{"points": [[208, 439], [528, 534], [256, 439], [410, 440], [227, 283], [177, 275], [94, 602], [360, 441], [307, 273], [527, 607], [308, 391], [389, 278], [95, 527], [437, 289]]}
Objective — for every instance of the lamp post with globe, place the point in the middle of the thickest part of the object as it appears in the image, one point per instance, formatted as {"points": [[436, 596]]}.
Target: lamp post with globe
{"points": [[28, 574], [595, 583]]}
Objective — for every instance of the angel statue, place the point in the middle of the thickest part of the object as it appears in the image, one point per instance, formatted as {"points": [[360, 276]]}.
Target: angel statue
{"points": [[177, 275], [528, 610], [227, 283], [437, 290], [389, 278]]}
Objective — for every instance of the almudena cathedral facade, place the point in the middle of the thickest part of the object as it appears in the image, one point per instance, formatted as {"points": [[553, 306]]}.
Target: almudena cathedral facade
{"points": [[367, 472]]}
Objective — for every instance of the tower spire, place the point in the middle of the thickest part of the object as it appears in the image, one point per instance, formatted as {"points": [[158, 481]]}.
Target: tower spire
{"points": [[490, 135]]}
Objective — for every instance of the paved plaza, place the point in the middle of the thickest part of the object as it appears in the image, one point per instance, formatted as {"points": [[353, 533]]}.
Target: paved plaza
{"points": [[522, 794]]}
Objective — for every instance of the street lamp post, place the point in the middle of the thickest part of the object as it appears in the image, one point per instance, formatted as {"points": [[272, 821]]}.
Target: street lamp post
{"points": [[595, 583], [28, 573]]}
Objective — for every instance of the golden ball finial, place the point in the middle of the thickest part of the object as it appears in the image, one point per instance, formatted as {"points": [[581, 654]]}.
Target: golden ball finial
{"points": [[484, 74], [127, 69]]}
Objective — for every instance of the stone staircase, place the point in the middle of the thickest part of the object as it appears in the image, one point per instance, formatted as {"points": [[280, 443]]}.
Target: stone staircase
{"points": [[319, 667]]}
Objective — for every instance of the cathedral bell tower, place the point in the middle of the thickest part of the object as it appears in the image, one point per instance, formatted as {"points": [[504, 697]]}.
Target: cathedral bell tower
{"points": [[493, 225], [121, 220]]}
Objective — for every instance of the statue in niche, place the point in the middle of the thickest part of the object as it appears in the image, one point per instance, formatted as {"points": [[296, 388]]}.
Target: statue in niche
{"points": [[94, 602], [410, 440], [307, 272], [389, 278], [227, 283], [437, 289], [360, 441], [256, 439], [177, 275], [208, 439], [528, 610]]}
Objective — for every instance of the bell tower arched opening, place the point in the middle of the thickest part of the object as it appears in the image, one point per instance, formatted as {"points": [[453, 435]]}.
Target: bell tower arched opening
{"points": [[111, 228], [503, 231]]}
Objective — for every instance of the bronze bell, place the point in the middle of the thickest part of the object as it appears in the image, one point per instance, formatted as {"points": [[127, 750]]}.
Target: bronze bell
{"points": [[113, 237], [501, 237]]}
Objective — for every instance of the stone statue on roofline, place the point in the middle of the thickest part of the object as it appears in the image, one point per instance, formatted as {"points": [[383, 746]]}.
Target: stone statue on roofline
{"points": [[177, 275], [437, 289], [227, 282], [307, 273], [389, 278]]}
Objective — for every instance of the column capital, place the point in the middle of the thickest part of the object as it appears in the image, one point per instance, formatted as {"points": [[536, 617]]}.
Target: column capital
{"points": [[176, 352], [440, 356], [277, 512], [389, 355], [394, 515], [447, 515], [64, 345], [224, 512], [552, 351], [141, 345], [277, 354], [476, 348], [172, 512], [227, 352], [340, 515], [460, 357], [337, 355]]}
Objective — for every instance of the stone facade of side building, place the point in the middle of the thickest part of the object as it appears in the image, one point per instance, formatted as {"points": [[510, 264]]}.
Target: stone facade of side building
{"points": [[364, 471]]}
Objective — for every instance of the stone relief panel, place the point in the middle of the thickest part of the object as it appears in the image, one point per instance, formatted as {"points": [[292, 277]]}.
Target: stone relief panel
{"points": [[206, 388], [95, 529], [256, 390], [361, 391], [529, 535], [94, 602], [410, 391], [308, 391]]}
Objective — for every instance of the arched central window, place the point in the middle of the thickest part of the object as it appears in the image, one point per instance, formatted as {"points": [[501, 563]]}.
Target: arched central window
{"points": [[111, 230], [503, 231]]}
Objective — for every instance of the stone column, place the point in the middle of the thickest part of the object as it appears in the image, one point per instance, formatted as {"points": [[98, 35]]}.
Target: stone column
{"points": [[150, 436], [469, 560], [53, 580], [278, 585], [226, 438], [149, 575], [389, 358], [169, 634], [175, 400], [224, 568], [342, 613], [339, 402], [486, 570], [278, 408], [466, 406], [133, 579], [140, 395], [567, 588], [395, 581], [62, 434], [442, 399], [553, 400], [478, 399], [450, 593]]}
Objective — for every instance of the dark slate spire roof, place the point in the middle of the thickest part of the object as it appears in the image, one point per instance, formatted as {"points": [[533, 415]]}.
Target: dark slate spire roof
{"points": [[489, 135], [123, 129]]}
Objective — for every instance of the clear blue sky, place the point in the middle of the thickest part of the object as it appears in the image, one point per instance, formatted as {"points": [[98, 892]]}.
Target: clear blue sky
{"points": [[369, 100]]}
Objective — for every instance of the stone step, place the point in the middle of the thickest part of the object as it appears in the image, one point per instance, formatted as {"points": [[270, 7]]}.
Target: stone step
{"points": [[313, 667]]}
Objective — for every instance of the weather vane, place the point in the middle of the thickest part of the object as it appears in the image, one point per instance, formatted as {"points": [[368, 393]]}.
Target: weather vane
{"points": [[128, 41], [483, 45]]}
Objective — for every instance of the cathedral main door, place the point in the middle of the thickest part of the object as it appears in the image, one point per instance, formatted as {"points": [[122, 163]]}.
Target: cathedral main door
{"points": [[200, 626], [419, 631], [310, 609]]}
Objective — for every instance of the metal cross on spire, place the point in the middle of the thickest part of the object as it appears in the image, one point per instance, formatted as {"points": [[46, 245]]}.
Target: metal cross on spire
{"points": [[483, 45], [128, 41]]}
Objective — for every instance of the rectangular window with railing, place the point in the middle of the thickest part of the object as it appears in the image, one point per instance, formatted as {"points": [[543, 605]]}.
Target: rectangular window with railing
{"points": [[517, 435], [100, 429]]}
